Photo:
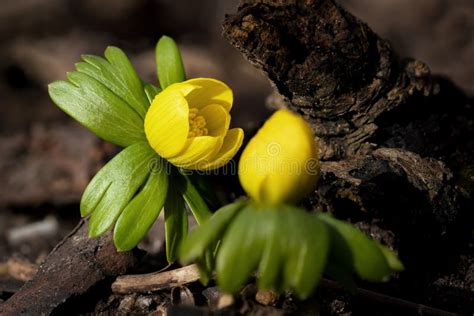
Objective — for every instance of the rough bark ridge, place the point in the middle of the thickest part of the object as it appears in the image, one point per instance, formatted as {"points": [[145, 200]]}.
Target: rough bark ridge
{"points": [[335, 70], [395, 138], [76, 266]]}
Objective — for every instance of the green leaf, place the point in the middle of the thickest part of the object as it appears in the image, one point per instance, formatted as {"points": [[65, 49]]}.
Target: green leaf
{"points": [[295, 252], [140, 214], [241, 249], [151, 91], [99, 109], [307, 248], [206, 266], [116, 72], [169, 64], [193, 199], [202, 237], [273, 255], [340, 260], [176, 224], [367, 259], [394, 263], [204, 186], [114, 185]]}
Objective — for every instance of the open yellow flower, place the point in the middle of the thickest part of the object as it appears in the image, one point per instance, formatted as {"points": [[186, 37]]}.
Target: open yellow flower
{"points": [[188, 124], [280, 164]]}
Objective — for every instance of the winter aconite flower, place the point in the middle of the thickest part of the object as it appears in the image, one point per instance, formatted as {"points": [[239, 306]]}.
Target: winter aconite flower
{"points": [[286, 247], [185, 123], [280, 163], [188, 124]]}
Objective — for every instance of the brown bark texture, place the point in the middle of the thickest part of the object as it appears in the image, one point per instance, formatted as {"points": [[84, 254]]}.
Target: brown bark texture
{"points": [[77, 266], [395, 140], [349, 83]]}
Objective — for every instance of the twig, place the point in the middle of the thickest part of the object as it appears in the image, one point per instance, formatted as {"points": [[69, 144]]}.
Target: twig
{"points": [[156, 281], [150, 282], [405, 307]]}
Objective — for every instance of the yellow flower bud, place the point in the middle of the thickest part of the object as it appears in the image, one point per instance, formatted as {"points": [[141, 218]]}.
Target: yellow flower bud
{"points": [[280, 164], [188, 124]]}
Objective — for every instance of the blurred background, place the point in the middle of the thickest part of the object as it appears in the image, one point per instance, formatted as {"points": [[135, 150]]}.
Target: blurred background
{"points": [[46, 159]]}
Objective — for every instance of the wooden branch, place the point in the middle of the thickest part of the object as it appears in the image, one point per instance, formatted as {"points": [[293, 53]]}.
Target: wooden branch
{"points": [[391, 134], [410, 203], [349, 83], [75, 265], [151, 282]]}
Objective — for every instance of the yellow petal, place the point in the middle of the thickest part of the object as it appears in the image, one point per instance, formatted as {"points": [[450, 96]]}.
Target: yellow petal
{"points": [[184, 87], [167, 123], [197, 150], [232, 142], [217, 119], [280, 164], [209, 91]]}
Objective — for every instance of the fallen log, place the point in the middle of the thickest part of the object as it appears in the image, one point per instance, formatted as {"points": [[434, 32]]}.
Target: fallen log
{"points": [[349, 83], [393, 137], [75, 267]]}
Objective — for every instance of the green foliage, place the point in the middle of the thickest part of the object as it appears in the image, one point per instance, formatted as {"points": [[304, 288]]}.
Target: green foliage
{"points": [[240, 251], [201, 244], [393, 262], [307, 250], [194, 200], [289, 249], [118, 75], [151, 91], [176, 222], [169, 64], [350, 246], [201, 239], [106, 96], [114, 185], [142, 211]]}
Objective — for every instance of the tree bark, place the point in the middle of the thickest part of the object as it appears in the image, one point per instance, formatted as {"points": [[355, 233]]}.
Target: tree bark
{"points": [[76, 266], [395, 140], [349, 83]]}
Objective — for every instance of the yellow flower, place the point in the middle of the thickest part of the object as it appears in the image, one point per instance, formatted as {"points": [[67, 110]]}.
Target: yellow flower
{"points": [[280, 164], [188, 124]]}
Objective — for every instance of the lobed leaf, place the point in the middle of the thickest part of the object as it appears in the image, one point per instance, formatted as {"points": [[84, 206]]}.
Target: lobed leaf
{"points": [[99, 109], [114, 185], [367, 259], [289, 247], [169, 64], [340, 264], [139, 215], [201, 238], [307, 249], [117, 74], [241, 249], [270, 270]]}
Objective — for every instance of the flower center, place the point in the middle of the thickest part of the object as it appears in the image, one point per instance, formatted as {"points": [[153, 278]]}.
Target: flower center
{"points": [[197, 124]]}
